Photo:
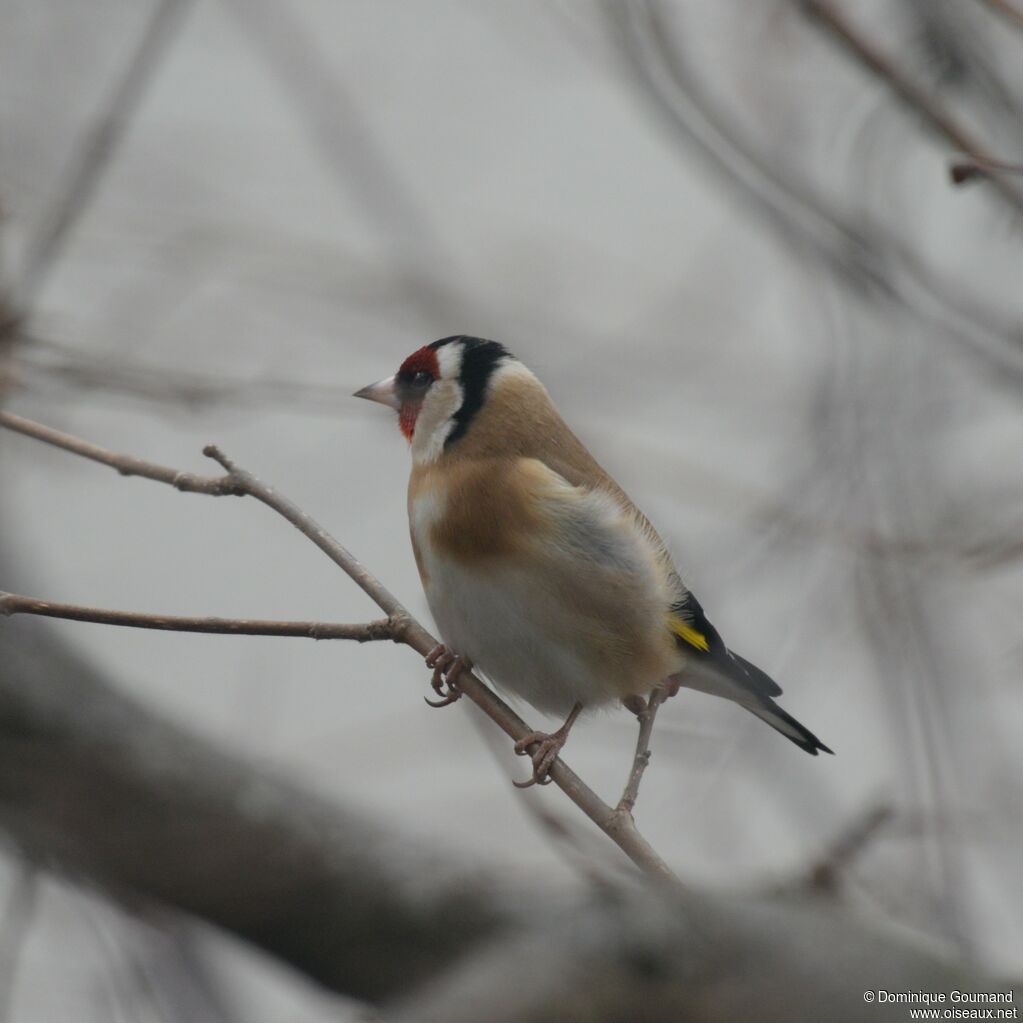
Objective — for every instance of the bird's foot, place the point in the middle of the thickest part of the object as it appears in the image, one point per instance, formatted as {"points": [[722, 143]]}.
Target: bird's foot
{"points": [[548, 746], [447, 666]]}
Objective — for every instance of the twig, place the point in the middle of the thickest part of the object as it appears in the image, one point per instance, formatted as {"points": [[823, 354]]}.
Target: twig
{"points": [[124, 464], [93, 156], [619, 827], [62, 364], [346, 140], [823, 876], [909, 92], [364, 632], [862, 253], [962, 171], [642, 759]]}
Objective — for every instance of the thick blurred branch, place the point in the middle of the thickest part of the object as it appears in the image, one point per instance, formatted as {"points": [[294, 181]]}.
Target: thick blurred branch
{"points": [[618, 825], [92, 782], [15, 924], [671, 957]]}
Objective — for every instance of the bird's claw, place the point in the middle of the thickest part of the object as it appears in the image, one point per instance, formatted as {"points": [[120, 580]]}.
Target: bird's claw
{"points": [[547, 749], [447, 666]]}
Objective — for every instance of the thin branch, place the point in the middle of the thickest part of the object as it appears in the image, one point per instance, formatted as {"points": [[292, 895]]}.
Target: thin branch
{"points": [[619, 827], [642, 759], [909, 92], [364, 632], [347, 142], [38, 358], [124, 464]]}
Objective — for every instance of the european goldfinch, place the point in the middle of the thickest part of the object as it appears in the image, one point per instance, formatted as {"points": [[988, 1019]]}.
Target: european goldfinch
{"points": [[537, 567]]}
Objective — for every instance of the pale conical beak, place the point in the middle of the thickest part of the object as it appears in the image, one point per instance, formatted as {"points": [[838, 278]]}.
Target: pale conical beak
{"points": [[382, 391]]}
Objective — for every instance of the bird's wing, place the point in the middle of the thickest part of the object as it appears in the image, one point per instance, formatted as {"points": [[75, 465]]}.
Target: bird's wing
{"points": [[710, 666], [685, 618], [591, 523]]}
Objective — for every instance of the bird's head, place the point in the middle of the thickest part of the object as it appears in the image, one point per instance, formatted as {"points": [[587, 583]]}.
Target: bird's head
{"points": [[438, 390]]}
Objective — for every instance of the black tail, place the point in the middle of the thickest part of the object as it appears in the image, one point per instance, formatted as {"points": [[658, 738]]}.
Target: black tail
{"points": [[767, 710], [721, 672], [743, 681]]}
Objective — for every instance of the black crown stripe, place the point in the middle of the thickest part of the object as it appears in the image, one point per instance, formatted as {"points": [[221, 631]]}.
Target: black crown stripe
{"points": [[479, 360]]}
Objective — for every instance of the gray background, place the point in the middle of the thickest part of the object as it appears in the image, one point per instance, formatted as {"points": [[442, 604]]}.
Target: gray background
{"points": [[824, 426]]}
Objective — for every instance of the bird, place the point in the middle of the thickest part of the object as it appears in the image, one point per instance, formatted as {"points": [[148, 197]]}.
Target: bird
{"points": [[538, 569]]}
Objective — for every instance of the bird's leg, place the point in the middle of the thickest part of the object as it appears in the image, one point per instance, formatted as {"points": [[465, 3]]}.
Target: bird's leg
{"points": [[547, 749], [447, 666], [670, 687], [635, 703]]}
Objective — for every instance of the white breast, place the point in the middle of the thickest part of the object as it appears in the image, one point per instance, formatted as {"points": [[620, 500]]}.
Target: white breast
{"points": [[527, 641]]}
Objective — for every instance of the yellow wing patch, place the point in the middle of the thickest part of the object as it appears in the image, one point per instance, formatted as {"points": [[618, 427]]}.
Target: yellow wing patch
{"points": [[687, 633]]}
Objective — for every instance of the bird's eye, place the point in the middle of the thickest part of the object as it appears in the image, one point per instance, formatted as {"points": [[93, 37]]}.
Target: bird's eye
{"points": [[421, 379]]}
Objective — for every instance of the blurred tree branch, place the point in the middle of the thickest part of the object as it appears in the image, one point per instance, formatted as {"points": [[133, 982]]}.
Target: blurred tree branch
{"points": [[82, 371], [861, 252], [1011, 13], [347, 143], [95, 785], [665, 958], [912, 96], [825, 873], [18, 913], [93, 155], [963, 171]]}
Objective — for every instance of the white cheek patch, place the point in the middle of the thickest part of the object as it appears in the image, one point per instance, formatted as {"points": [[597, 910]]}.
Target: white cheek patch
{"points": [[435, 421]]}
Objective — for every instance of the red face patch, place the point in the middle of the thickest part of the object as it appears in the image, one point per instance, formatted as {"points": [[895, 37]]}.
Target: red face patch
{"points": [[407, 418], [422, 361], [411, 386]]}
